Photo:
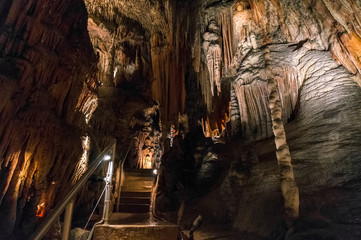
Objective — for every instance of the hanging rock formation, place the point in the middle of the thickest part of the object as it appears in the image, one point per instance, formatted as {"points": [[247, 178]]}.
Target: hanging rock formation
{"points": [[147, 132], [74, 74], [48, 85], [213, 52]]}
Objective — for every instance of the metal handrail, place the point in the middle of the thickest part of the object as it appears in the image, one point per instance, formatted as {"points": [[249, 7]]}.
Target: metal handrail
{"points": [[50, 219]]}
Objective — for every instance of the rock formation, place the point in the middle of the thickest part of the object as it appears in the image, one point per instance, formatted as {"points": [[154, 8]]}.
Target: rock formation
{"points": [[147, 145], [48, 94], [288, 184], [76, 74]]}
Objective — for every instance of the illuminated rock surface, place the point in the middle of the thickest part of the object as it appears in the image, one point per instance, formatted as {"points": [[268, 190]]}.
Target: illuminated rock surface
{"points": [[76, 74]]}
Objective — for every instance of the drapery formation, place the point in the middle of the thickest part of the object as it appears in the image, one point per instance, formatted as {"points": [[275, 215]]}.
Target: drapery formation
{"points": [[48, 88]]}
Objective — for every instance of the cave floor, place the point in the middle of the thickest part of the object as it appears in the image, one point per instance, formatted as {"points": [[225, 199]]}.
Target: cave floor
{"points": [[209, 232], [134, 219], [140, 226], [222, 235]]}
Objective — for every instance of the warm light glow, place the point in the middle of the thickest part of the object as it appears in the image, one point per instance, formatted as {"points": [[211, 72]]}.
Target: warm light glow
{"points": [[208, 131], [115, 71], [41, 210], [172, 133], [89, 108], [83, 162], [147, 162]]}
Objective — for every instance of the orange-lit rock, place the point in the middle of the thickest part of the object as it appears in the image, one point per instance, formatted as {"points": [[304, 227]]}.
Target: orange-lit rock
{"points": [[352, 43], [76, 69], [46, 100]]}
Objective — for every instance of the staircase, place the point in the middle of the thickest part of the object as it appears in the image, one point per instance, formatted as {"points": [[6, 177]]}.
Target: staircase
{"points": [[136, 191], [134, 220]]}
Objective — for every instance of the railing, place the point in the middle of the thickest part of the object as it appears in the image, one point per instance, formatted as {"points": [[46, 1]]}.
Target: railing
{"points": [[68, 201]]}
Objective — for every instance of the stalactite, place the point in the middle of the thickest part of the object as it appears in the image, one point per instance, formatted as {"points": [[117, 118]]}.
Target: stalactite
{"points": [[213, 53], [147, 133], [250, 90], [49, 92], [288, 184], [169, 61], [225, 23]]}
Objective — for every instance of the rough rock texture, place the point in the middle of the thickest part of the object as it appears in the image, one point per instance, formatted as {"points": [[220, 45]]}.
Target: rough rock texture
{"points": [[129, 232], [204, 58], [223, 49], [315, 71], [48, 85], [123, 72], [213, 51], [191, 168], [163, 52], [289, 187], [78, 234], [323, 144], [146, 127]]}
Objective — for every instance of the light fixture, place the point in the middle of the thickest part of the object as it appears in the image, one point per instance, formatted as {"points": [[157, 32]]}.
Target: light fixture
{"points": [[155, 171], [107, 157]]}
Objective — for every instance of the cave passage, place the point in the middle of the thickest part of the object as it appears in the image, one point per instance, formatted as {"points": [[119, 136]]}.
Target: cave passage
{"points": [[233, 119]]}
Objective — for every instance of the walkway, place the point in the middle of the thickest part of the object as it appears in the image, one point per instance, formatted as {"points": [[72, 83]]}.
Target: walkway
{"points": [[134, 220]]}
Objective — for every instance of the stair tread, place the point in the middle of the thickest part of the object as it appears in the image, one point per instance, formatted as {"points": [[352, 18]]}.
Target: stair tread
{"points": [[138, 183], [138, 178], [134, 208], [145, 200], [135, 194], [135, 204], [135, 226], [137, 189], [144, 173], [138, 170]]}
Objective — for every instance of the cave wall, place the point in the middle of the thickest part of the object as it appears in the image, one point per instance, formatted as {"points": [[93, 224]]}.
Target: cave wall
{"points": [[61, 83], [143, 62], [236, 27], [313, 60], [48, 84]]}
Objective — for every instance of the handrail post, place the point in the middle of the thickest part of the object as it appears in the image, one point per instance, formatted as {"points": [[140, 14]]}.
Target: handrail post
{"points": [[44, 226], [67, 220], [108, 188]]}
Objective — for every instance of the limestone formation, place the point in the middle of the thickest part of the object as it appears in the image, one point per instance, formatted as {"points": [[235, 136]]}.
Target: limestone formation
{"points": [[147, 133], [288, 185], [48, 84], [76, 74], [213, 52]]}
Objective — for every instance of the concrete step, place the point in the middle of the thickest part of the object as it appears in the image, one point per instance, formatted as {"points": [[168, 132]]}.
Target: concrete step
{"points": [[135, 232], [136, 188], [139, 178], [130, 226], [138, 172], [143, 194], [138, 183], [134, 208], [135, 200]]}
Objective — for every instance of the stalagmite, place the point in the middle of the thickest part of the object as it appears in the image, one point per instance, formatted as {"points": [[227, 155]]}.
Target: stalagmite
{"points": [[288, 184]]}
